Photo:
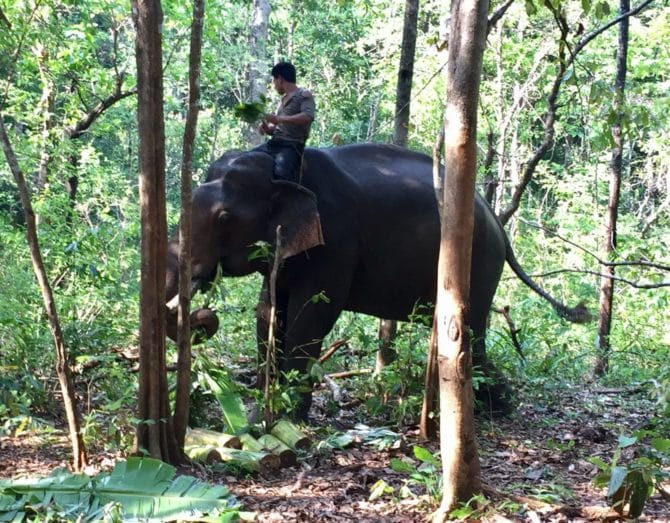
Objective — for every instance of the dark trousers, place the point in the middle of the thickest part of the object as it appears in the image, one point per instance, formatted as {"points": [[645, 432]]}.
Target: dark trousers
{"points": [[287, 158]]}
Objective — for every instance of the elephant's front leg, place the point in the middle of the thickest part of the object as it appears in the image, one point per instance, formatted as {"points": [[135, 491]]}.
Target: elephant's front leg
{"points": [[307, 324]]}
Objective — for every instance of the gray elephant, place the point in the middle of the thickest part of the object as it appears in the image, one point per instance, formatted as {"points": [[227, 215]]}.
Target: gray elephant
{"points": [[362, 229]]}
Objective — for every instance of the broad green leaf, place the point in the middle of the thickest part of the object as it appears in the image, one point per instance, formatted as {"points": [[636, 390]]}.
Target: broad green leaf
{"points": [[379, 489], [640, 490], [625, 441], [225, 392], [616, 480], [401, 466], [143, 488], [661, 444], [425, 456]]}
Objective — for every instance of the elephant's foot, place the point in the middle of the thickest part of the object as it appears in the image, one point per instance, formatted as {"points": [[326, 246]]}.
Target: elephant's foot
{"points": [[495, 397], [300, 414]]}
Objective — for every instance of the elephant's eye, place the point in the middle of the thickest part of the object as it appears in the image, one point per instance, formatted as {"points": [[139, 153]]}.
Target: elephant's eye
{"points": [[224, 216]]}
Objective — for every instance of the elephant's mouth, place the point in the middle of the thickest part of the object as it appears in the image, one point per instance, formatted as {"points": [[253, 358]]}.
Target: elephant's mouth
{"points": [[204, 324]]}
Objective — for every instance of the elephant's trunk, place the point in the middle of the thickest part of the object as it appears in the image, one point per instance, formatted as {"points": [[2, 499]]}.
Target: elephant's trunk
{"points": [[196, 285], [204, 322]]}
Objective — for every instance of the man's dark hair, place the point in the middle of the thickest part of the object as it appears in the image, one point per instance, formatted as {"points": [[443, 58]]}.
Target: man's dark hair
{"points": [[286, 70]]}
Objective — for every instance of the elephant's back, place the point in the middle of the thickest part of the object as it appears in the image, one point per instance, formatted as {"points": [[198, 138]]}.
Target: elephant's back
{"points": [[388, 203], [372, 164]]}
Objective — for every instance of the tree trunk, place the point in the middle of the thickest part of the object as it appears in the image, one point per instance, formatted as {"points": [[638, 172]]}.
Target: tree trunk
{"points": [[428, 421], [155, 435], [405, 74], [610, 240], [385, 353], [257, 74], [62, 365], [457, 432], [47, 105], [183, 395], [388, 328]]}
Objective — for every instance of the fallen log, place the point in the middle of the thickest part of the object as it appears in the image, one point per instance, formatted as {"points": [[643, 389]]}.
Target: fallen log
{"points": [[287, 456], [290, 435], [212, 438], [255, 461], [251, 444]]}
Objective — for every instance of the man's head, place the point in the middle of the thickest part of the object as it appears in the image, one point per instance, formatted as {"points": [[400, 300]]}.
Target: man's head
{"points": [[283, 73]]}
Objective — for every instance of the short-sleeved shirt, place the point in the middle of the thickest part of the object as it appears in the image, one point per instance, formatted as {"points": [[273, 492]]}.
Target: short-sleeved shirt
{"points": [[300, 101]]}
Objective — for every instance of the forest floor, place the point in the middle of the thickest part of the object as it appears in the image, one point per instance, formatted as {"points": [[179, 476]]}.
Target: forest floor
{"points": [[535, 466]]}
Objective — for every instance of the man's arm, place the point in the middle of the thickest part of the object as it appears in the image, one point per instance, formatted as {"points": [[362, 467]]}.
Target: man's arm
{"points": [[301, 119]]}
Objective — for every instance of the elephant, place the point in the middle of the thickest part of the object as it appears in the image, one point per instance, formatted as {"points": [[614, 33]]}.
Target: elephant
{"points": [[361, 228]]}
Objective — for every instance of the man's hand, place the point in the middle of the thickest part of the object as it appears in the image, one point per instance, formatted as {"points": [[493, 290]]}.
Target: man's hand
{"points": [[265, 128], [271, 118]]}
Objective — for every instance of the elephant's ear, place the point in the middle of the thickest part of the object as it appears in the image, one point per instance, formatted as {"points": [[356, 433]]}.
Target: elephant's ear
{"points": [[294, 208]]}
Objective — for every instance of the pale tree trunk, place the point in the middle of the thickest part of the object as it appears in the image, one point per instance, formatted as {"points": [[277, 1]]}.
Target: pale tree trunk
{"points": [[458, 444], [183, 395], [610, 240], [47, 108], [155, 435], [258, 68], [388, 328], [62, 365]]}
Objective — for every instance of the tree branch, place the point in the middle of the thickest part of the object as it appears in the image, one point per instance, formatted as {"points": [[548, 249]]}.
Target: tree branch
{"points": [[497, 15], [550, 115], [75, 131], [4, 20], [640, 263], [603, 275], [588, 37]]}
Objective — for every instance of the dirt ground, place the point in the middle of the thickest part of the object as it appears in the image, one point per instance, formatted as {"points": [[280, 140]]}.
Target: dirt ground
{"points": [[534, 465]]}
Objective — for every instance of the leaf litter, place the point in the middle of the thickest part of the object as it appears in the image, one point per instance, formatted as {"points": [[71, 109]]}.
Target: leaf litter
{"points": [[535, 464]]}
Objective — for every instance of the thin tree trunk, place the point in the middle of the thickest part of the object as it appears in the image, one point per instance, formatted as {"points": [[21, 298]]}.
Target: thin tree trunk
{"points": [[388, 328], [63, 371], [428, 422], [47, 108], [610, 240], [155, 434], [405, 74], [257, 74], [458, 445], [183, 394], [386, 353]]}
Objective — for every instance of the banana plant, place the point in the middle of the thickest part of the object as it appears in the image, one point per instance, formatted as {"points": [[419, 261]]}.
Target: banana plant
{"points": [[138, 489]]}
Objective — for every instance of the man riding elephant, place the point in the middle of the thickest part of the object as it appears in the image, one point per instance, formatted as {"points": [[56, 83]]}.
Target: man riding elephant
{"points": [[362, 230], [288, 128]]}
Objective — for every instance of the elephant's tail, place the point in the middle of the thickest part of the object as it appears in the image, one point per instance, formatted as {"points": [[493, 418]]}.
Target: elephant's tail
{"points": [[577, 314]]}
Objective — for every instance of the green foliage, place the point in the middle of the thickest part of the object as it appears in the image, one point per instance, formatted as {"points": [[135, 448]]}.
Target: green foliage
{"points": [[633, 483], [225, 391], [423, 470], [249, 112], [139, 488], [347, 53]]}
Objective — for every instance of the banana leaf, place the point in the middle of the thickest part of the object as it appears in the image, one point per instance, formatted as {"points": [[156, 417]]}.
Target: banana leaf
{"points": [[139, 489], [225, 392]]}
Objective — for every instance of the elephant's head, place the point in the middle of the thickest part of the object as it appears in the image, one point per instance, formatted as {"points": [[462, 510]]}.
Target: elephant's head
{"points": [[238, 206]]}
